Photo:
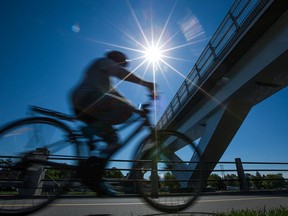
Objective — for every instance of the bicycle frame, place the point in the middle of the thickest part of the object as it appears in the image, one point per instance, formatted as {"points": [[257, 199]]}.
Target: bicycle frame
{"points": [[146, 123], [142, 114]]}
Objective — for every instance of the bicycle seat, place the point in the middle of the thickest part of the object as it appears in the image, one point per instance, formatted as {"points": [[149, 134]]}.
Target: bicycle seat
{"points": [[53, 113]]}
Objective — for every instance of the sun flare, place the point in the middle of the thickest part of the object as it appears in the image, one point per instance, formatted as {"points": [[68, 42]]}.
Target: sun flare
{"points": [[153, 54], [155, 47]]}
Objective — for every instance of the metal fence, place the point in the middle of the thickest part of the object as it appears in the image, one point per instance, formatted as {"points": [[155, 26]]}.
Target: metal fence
{"points": [[238, 20], [227, 176]]}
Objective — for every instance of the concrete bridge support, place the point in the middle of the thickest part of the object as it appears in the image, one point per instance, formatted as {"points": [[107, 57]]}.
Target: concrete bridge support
{"points": [[220, 129]]}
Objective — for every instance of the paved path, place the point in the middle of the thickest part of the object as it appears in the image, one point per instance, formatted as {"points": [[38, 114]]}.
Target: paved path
{"points": [[136, 206]]}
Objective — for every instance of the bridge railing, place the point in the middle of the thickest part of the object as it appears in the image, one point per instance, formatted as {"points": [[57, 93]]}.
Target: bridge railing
{"points": [[242, 14], [227, 176]]}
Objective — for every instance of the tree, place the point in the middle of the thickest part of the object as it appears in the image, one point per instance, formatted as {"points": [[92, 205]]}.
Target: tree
{"points": [[6, 171], [4, 164], [170, 181], [57, 174], [273, 181], [215, 180], [231, 180], [53, 174], [113, 173], [257, 181]]}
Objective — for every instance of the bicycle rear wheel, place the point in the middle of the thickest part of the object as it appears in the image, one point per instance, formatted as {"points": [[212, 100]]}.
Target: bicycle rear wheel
{"points": [[27, 186], [171, 171]]}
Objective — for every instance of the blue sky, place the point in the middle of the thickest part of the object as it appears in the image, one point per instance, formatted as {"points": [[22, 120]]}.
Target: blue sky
{"points": [[46, 45]]}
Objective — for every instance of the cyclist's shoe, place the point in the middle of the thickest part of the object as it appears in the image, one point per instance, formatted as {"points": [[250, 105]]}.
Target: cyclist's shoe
{"points": [[101, 188], [105, 190], [91, 172]]}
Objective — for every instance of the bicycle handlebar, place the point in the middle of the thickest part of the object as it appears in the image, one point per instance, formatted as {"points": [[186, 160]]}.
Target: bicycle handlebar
{"points": [[143, 109]]}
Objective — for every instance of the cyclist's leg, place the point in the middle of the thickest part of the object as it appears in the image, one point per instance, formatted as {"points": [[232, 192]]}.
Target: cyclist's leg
{"points": [[91, 172], [100, 113], [112, 109], [100, 116], [108, 134], [109, 108]]}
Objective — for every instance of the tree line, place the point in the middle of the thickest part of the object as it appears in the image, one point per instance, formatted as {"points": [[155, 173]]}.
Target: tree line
{"points": [[256, 182]]}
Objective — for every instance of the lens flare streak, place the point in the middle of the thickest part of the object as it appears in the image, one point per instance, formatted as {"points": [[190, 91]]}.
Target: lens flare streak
{"points": [[155, 51]]}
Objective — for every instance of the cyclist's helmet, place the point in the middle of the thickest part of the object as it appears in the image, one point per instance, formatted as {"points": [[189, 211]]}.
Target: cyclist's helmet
{"points": [[118, 57]]}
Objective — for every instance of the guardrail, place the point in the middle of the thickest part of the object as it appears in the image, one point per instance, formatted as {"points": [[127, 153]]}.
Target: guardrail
{"points": [[232, 28], [236, 176], [250, 176]]}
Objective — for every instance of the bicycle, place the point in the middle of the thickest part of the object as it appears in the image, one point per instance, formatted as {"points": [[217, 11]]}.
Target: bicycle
{"points": [[28, 180]]}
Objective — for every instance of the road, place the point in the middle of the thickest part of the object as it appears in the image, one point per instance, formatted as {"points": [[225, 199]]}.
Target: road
{"points": [[136, 206]]}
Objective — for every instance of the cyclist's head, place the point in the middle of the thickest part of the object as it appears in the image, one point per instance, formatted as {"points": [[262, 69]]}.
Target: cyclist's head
{"points": [[118, 57]]}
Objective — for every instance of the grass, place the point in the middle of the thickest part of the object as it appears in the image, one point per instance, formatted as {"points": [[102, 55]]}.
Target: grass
{"points": [[271, 212], [281, 211]]}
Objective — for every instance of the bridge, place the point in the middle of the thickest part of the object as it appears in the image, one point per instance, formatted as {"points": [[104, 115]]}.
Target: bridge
{"points": [[245, 62]]}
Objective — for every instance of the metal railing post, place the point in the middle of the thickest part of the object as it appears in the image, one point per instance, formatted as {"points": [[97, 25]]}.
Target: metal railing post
{"points": [[241, 175], [32, 183], [154, 180]]}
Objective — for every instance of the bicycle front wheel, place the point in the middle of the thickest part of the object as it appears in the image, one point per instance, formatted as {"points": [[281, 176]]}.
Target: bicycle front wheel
{"points": [[27, 186], [171, 171]]}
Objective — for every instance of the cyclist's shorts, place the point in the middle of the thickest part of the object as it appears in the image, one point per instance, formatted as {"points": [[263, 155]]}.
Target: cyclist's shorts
{"points": [[110, 108]]}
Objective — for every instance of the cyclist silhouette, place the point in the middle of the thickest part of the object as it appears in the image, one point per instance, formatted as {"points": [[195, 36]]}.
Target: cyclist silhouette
{"points": [[97, 103]]}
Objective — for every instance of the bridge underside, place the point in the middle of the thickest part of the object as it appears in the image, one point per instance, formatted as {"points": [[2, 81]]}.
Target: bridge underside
{"points": [[252, 70], [216, 130], [219, 128], [215, 118]]}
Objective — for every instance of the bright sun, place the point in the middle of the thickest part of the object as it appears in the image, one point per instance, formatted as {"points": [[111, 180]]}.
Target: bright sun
{"points": [[153, 54]]}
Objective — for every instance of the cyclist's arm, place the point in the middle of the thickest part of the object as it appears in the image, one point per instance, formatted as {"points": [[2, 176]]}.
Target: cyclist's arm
{"points": [[123, 74], [130, 77]]}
